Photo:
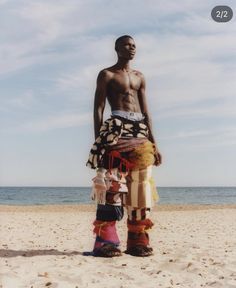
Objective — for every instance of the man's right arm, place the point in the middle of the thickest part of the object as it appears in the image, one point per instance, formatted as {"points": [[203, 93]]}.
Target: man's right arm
{"points": [[100, 101]]}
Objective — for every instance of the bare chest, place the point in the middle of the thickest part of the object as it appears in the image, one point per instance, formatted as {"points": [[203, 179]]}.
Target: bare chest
{"points": [[124, 82]]}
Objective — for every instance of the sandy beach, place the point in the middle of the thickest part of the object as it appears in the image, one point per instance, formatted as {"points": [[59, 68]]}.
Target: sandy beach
{"points": [[42, 246]]}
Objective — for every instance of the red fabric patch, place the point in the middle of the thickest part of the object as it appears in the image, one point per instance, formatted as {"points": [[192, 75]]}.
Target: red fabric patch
{"points": [[106, 230]]}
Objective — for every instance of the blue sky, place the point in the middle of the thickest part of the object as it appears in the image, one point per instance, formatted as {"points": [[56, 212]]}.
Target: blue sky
{"points": [[50, 54]]}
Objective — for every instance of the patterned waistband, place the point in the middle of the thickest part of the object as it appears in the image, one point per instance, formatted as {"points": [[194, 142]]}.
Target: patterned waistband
{"points": [[133, 116]]}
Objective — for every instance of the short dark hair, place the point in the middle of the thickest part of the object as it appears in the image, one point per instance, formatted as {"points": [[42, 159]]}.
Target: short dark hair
{"points": [[120, 39]]}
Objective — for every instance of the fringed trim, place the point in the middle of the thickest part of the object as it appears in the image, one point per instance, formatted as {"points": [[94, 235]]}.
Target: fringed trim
{"points": [[136, 226]]}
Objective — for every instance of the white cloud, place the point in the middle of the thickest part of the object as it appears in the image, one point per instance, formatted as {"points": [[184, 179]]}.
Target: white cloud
{"points": [[211, 137], [49, 20], [38, 26], [21, 101], [56, 122], [32, 27], [188, 134], [81, 79], [185, 75], [222, 110]]}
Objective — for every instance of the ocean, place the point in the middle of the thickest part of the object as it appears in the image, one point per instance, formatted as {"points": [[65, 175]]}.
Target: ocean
{"points": [[81, 195]]}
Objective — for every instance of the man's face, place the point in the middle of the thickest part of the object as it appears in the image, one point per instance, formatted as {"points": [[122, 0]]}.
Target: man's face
{"points": [[126, 48]]}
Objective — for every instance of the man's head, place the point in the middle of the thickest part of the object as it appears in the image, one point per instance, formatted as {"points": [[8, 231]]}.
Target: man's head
{"points": [[125, 47]]}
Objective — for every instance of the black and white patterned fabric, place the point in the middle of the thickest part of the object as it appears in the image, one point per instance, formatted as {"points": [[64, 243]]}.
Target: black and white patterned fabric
{"points": [[111, 130]]}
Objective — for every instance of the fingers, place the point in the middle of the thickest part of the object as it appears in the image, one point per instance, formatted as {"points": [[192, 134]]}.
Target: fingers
{"points": [[158, 159]]}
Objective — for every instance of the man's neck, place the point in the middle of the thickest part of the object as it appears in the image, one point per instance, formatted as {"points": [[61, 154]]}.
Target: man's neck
{"points": [[123, 64]]}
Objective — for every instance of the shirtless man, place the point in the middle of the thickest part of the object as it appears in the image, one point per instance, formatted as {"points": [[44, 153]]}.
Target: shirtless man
{"points": [[124, 88]]}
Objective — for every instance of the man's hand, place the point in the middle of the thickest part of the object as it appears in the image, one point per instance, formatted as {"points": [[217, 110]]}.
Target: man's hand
{"points": [[158, 158]]}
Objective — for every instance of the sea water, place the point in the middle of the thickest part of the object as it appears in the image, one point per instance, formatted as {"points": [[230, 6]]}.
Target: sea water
{"points": [[82, 195]]}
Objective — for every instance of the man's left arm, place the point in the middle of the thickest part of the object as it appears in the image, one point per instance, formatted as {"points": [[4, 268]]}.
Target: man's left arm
{"points": [[148, 121]]}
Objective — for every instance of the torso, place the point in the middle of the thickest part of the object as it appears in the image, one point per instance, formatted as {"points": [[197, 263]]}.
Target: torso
{"points": [[122, 89]]}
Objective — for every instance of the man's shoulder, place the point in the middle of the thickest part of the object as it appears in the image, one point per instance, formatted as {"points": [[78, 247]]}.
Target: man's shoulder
{"points": [[105, 73], [138, 73]]}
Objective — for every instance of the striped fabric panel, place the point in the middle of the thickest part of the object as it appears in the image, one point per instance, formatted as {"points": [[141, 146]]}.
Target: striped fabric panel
{"points": [[138, 214], [140, 190]]}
